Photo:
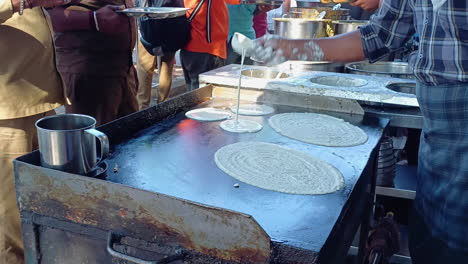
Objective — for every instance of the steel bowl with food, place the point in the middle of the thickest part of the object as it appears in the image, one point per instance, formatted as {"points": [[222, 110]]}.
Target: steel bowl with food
{"points": [[383, 69], [316, 3], [312, 13], [345, 26], [298, 28]]}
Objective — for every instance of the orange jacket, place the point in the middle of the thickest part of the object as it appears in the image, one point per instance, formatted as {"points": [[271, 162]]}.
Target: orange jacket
{"points": [[219, 27]]}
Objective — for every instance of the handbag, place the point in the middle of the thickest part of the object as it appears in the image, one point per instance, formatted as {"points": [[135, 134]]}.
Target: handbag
{"points": [[160, 36]]}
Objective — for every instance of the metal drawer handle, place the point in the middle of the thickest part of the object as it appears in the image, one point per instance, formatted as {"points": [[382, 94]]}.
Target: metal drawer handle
{"points": [[111, 238]]}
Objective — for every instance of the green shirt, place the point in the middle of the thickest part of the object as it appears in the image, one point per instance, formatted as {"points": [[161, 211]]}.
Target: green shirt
{"points": [[241, 20]]}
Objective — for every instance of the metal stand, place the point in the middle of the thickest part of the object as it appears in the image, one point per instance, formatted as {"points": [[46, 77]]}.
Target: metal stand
{"points": [[365, 225]]}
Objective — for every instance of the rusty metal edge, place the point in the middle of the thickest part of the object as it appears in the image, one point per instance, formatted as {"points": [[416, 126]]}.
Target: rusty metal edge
{"points": [[37, 191]]}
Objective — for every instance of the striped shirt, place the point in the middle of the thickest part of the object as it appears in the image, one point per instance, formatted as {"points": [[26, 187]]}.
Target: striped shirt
{"points": [[442, 57]]}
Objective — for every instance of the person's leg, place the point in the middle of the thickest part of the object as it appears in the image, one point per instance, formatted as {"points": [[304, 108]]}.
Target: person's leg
{"points": [[17, 137], [438, 232], [128, 102], [145, 71], [232, 56], [196, 63], [187, 67], [235, 58], [165, 76], [94, 95]]}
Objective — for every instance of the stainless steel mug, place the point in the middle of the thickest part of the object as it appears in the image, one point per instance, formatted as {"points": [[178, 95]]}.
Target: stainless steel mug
{"points": [[67, 142]]}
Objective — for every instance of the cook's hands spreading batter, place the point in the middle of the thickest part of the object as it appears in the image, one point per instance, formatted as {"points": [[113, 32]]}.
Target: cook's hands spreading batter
{"points": [[273, 49]]}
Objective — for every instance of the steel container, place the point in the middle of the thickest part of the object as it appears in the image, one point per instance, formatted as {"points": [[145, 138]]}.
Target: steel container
{"points": [[308, 3], [384, 69], [345, 26], [265, 74], [315, 3], [298, 28], [402, 87], [312, 13], [67, 143]]}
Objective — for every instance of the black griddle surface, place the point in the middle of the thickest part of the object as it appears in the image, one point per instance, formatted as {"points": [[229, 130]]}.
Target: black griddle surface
{"points": [[175, 157]]}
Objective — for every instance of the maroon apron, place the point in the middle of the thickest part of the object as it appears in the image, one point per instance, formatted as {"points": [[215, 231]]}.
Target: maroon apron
{"points": [[94, 52], [97, 69]]}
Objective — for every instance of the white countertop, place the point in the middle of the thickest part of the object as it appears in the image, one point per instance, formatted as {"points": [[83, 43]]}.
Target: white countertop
{"points": [[374, 91]]}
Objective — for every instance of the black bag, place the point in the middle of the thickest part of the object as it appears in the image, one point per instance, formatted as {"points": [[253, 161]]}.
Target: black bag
{"points": [[160, 36]]}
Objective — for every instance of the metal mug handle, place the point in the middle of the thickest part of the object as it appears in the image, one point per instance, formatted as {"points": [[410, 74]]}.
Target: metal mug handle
{"points": [[114, 238], [103, 139]]}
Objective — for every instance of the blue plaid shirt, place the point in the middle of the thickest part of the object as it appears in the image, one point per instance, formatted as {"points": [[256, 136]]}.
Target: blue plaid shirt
{"points": [[443, 52]]}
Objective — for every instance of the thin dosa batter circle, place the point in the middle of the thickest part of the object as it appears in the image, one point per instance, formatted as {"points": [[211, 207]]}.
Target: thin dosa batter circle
{"points": [[318, 129], [241, 126], [208, 114], [272, 167]]}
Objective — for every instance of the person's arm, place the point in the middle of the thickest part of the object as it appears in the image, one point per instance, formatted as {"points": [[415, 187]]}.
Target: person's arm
{"points": [[286, 6], [106, 21], [9, 7], [387, 32], [345, 47], [368, 5], [263, 9]]}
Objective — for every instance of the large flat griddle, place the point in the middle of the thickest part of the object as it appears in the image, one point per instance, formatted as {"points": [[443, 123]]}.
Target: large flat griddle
{"points": [[175, 158], [167, 181]]}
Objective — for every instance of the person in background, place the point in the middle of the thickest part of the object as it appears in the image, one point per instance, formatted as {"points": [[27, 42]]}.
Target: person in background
{"points": [[438, 227], [367, 5], [94, 47], [241, 20], [146, 65], [260, 24], [206, 49], [362, 9], [30, 88]]}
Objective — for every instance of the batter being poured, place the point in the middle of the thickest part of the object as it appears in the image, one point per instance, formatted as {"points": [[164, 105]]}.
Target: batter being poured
{"points": [[240, 125]]}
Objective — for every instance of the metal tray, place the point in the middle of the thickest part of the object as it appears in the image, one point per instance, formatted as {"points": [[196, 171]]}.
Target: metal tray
{"points": [[155, 12], [264, 2]]}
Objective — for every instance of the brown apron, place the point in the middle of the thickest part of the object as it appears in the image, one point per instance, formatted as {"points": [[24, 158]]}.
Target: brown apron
{"points": [[94, 52], [97, 69]]}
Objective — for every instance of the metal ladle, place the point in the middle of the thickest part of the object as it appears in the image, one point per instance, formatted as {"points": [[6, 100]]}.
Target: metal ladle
{"points": [[321, 15]]}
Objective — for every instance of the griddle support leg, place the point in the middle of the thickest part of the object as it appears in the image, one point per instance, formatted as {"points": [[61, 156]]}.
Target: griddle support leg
{"points": [[365, 224], [31, 241]]}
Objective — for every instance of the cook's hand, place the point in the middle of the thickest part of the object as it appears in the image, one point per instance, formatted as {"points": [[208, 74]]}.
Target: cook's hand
{"points": [[368, 5], [111, 22], [273, 49]]}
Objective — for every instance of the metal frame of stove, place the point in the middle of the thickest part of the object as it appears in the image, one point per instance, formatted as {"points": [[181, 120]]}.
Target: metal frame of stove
{"points": [[50, 223]]}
